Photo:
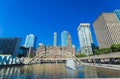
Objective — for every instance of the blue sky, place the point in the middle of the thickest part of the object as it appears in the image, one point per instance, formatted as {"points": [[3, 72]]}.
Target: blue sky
{"points": [[44, 17]]}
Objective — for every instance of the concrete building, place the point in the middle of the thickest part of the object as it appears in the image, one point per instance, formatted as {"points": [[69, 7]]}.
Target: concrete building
{"points": [[55, 39], [30, 41], [10, 46], [85, 38], [69, 40], [57, 49], [107, 29], [40, 49], [66, 39]]}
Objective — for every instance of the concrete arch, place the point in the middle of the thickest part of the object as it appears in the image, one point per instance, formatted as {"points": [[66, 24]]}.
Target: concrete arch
{"points": [[43, 56]]}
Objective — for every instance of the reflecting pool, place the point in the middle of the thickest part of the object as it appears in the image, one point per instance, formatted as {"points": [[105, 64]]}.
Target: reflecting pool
{"points": [[55, 71]]}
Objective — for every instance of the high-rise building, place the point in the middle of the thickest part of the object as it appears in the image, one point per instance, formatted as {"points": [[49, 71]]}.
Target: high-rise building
{"points": [[10, 46], [30, 41], [117, 12], [55, 39], [66, 39], [85, 38], [107, 29], [69, 40]]}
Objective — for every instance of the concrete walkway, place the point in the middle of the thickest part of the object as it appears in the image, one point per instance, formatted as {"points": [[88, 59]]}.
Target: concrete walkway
{"points": [[103, 56], [109, 66]]}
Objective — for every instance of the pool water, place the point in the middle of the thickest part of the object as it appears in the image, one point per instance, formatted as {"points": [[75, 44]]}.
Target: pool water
{"points": [[55, 71]]}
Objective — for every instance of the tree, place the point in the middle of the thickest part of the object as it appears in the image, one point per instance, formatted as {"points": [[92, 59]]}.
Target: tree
{"points": [[102, 51], [80, 55], [96, 51], [115, 47]]}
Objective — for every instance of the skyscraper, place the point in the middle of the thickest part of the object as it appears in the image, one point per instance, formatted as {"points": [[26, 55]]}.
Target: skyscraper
{"points": [[107, 29], [30, 41], [55, 39], [69, 40], [66, 39], [117, 12], [10, 46], [85, 38]]}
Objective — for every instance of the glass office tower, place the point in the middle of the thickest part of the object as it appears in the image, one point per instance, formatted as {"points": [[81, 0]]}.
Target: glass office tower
{"points": [[66, 39], [30, 41], [117, 12], [10, 46]]}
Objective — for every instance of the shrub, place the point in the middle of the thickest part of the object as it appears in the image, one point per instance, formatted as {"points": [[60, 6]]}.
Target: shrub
{"points": [[80, 55], [102, 51], [115, 47]]}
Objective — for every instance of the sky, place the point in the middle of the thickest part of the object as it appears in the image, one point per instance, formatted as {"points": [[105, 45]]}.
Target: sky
{"points": [[42, 18]]}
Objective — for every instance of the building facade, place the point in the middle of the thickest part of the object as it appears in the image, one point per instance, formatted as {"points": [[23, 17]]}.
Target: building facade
{"points": [[117, 12], [66, 39], [30, 41], [23, 51], [69, 40], [40, 49], [64, 36], [85, 38], [107, 29], [55, 50], [27, 52], [10, 46], [55, 39]]}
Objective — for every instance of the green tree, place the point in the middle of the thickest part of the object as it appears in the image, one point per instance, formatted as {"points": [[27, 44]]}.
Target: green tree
{"points": [[80, 55], [115, 47], [102, 51], [96, 51]]}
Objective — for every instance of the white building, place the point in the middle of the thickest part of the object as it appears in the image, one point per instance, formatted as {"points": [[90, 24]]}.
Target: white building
{"points": [[85, 38], [30, 41]]}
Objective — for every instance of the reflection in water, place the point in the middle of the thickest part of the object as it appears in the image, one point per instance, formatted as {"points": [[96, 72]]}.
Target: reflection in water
{"points": [[71, 73], [81, 72], [9, 73], [90, 72], [104, 73], [55, 71]]}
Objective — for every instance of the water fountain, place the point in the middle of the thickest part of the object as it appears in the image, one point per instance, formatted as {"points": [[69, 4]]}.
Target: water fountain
{"points": [[70, 63]]}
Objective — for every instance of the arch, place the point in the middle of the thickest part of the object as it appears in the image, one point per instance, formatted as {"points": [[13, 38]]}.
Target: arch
{"points": [[43, 56]]}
